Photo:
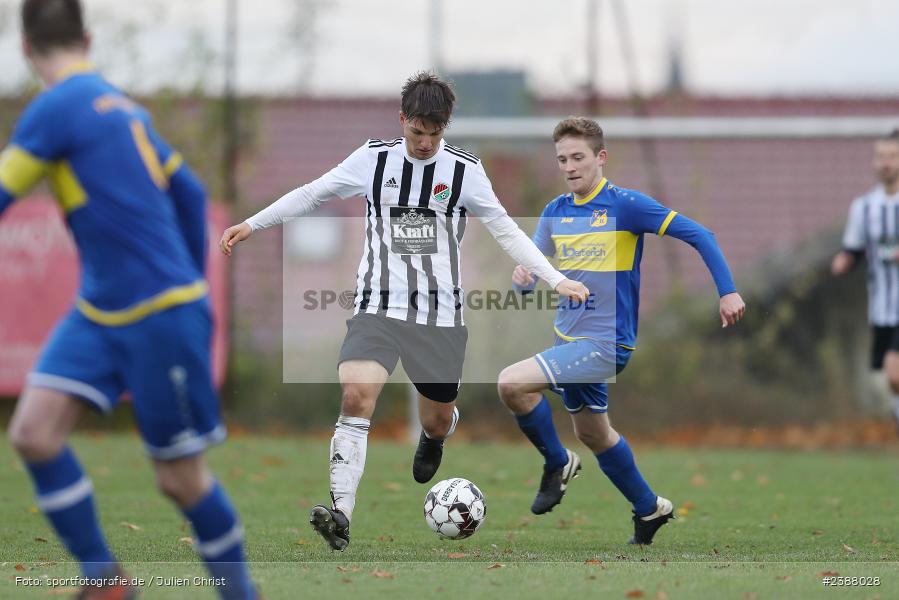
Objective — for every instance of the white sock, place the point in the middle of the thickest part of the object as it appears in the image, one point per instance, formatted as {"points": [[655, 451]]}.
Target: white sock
{"points": [[896, 406], [348, 447], [452, 428]]}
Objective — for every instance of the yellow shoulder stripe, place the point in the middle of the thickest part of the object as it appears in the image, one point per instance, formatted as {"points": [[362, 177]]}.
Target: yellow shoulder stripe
{"points": [[166, 299], [173, 164], [20, 170], [664, 227]]}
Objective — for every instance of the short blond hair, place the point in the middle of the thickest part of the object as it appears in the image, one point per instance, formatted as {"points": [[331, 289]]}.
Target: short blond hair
{"points": [[581, 127]]}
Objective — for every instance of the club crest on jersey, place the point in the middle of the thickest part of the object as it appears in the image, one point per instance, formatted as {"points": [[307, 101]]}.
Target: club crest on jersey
{"points": [[441, 193], [600, 218]]}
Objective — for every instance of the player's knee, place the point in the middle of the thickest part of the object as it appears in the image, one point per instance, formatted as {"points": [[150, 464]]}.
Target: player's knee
{"points": [[32, 440], [355, 401], [893, 379], [508, 388]]}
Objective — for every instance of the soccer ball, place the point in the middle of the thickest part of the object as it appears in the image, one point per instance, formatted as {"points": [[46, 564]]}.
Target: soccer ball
{"points": [[455, 508]]}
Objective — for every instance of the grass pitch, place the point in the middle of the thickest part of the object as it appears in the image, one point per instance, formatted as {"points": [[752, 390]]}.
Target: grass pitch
{"points": [[752, 524]]}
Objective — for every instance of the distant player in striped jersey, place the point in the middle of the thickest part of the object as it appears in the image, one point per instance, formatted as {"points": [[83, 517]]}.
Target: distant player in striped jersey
{"points": [[872, 232], [141, 322], [408, 303], [595, 232]]}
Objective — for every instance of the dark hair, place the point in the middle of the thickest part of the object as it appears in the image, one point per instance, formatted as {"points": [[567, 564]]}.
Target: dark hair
{"points": [[51, 24], [427, 97], [892, 136], [581, 127]]}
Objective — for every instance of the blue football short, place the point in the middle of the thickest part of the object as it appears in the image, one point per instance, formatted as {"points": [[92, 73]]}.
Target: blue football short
{"points": [[578, 370], [163, 361]]}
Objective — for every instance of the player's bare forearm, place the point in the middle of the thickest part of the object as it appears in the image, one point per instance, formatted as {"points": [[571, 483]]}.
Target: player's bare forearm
{"points": [[731, 309]]}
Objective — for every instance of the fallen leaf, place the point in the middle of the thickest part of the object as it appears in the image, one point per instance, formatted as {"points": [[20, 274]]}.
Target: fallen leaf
{"points": [[130, 526], [661, 595], [736, 475], [33, 510], [382, 574], [385, 538], [784, 577], [634, 594], [392, 486], [346, 580], [817, 532], [750, 596], [698, 479], [40, 539], [272, 461], [848, 549], [828, 574], [496, 566], [592, 561], [688, 505], [762, 480], [20, 567], [456, 555], [186, 540], [301, 542], [683, 511]]}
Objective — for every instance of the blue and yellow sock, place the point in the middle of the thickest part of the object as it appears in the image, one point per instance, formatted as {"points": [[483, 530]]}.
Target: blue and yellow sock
{"points": [[538, 426], [66, 497], [619, 466]]}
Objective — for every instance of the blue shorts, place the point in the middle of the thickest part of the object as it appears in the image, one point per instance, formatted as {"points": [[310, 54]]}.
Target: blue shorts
{"points": [[163, 360], [578, 370]]}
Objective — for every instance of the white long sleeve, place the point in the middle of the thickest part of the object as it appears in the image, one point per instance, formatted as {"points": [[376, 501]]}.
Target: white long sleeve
{"points": [[346, 180], [519, 246], [483, 203]]}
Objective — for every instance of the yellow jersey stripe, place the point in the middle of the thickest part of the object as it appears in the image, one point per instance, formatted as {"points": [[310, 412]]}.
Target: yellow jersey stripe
{"points": [[173, 164], [592, 194], [148, 155], [167, 299], [82, 66], [20, 170], [569, 338], [664, 227]]}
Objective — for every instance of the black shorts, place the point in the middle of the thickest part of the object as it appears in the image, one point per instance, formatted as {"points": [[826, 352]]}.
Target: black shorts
{"points": [[432, 356], [883, 339]]}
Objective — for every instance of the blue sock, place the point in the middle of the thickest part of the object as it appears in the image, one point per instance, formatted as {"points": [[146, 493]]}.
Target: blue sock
{"points": [[538, 426], [618, 464], [220, 543], [66, 497]]}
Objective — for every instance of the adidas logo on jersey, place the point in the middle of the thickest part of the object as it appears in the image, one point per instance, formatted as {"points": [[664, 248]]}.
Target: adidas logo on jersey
{"points": [[337, 459], [391, 183]]}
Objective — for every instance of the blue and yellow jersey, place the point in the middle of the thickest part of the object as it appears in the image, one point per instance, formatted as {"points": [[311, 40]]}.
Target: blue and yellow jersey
{"points": [[135, 210], [598, 240]]}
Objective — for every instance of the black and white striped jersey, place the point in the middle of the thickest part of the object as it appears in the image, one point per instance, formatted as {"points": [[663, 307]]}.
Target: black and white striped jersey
{"points": [[873, 227], [416, 214]]}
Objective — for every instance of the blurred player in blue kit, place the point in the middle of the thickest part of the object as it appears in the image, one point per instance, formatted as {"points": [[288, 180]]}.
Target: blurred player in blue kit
{"points": [[141, 322], [595, 232]]}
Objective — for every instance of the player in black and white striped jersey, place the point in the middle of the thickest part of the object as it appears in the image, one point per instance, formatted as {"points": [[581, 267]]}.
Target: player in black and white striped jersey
{"points": [[872, 232], [419, 191]]}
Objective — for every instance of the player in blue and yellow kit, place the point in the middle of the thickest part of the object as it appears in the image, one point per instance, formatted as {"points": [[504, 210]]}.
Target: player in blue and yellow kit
{"points": [[596, 234], [141, 322]]}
